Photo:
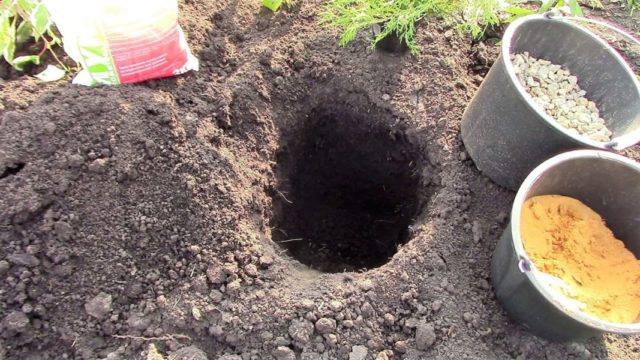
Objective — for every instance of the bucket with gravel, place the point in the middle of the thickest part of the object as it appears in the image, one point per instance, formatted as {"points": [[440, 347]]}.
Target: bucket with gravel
{"points": [[569, 271], [555, 87]]}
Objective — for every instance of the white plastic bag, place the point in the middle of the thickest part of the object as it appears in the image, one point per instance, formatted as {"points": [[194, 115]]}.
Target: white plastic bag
{"points": [[122, 41]]}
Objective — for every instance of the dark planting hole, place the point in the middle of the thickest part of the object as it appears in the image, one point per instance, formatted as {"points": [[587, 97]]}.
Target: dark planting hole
{"points": [[346, 192], [12, 170], [392, 44]]}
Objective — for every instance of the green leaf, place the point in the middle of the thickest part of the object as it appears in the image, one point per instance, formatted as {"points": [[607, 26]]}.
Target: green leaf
{"points": [[51, 73], [8, 7], [547, 5], [28, 5], [54, 39], [518, 11], [576, 10], [272, 5], [9, 46], [5, 24], [41, 20], [24, 32], [21, 61]]}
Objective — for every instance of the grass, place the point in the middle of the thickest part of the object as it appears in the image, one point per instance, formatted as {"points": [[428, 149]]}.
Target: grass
{"points": [[400, 17], [396, 16], [274, 5]]}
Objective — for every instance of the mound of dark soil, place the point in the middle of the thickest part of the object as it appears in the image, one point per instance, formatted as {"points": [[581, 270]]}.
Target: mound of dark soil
{"points": [[292, 200]]}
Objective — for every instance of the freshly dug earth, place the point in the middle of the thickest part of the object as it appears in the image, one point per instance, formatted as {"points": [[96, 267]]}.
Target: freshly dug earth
{"points": [[198, 213]]}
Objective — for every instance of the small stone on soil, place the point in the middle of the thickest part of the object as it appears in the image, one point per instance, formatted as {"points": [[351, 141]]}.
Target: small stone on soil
{"points": [[477, 231], [425, 336], [265, 261], [326, 325], [251, 270], [138, 322], [99, 307], [436, 305], [4, 267], [216, 330], [188, 353], [216, 274], [358, 352], [400, 346], [468, 317], [23, 259], [75, 160], [301, 330], [365, 285], [196, 313], [98, 166], [16, 322], [367, 310], [284, 353], [389, 319], [63, 230], [336, 305]]}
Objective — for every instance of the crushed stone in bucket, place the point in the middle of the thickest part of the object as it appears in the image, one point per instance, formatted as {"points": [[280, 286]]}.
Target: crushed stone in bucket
{"points": [[557, 91]]}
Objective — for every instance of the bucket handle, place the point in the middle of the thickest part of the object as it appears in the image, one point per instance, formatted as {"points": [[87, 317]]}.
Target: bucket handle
{"points": [[560, 15]]}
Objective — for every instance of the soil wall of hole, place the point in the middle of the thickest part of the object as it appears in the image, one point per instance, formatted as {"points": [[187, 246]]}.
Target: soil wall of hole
{"points": [[347, 187]]}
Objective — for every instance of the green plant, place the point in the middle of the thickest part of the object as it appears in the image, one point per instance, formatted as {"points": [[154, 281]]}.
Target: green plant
{"points": [[400, 17], [546, 5], [274, 5], [20, 22], [476, 16], [633, 5], [394, 16]]}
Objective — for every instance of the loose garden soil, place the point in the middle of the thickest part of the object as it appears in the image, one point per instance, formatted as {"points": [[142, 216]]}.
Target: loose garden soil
{"points": [[197, 213]]}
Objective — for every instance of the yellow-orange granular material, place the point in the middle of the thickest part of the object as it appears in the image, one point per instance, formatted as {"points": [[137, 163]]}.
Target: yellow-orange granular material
{"points": [[566, 239]]}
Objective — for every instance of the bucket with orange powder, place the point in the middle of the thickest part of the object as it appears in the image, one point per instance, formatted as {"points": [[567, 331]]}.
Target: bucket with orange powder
{"points": [[567, 266]]}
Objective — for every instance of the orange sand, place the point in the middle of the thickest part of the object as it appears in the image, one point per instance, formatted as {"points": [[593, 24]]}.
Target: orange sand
{"points": [[568, 240]]}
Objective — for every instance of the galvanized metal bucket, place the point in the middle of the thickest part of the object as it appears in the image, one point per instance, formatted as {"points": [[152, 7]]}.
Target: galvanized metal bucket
{"points": [[607, 183], [507, 134]]}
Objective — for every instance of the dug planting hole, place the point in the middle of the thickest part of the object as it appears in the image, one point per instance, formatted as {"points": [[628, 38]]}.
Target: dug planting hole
{"points": [[346, 192]]}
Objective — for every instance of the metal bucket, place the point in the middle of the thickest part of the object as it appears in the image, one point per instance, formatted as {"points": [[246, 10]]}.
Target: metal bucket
{"points": [[507, 134], [607, 183]]}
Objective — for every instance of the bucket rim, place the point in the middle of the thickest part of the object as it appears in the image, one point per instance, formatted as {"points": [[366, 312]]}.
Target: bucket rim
{"points": [[617, 143], [534, 276]]}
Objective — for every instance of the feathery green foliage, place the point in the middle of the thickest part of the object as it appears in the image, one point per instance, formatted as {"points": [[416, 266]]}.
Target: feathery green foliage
{"points": [[395, 16], [400, 17], [478, 15]]}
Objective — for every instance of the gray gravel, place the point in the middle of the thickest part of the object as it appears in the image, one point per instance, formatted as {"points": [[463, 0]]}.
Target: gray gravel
{"points": [[557, 91]]}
